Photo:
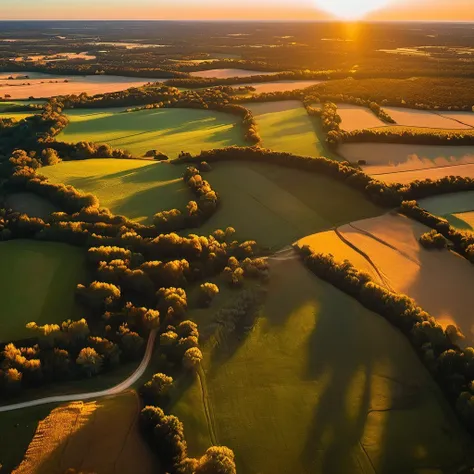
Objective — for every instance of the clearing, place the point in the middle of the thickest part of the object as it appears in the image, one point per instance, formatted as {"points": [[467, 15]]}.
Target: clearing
{"points": [[137, 189], [355, 117], [28, 84], [229, 72], [280, 86], [31, 204], [100, 436], [319, 385], [286, 126], [401, 264], [46, 275], [276, 205], [168, 130]]}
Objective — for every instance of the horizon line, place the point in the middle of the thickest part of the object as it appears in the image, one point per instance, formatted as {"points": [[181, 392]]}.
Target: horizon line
{"points": [[228, 20]]}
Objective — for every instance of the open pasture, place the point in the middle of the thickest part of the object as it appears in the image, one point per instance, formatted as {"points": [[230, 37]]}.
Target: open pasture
{"points": [[426, 119], [229, 72], [168, 130], [355, 117], [286, 126], [99, 436], [400, 159], [439, 281], [16, 115], [320, 385], [48, 85], [276, 206], [45, 274], [137, 189]]}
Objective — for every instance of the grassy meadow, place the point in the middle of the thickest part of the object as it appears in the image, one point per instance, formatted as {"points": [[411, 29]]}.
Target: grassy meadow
{"points": [[137, 189], [276, 206], [168, 130], [96, 436], [286, 126], [319, 385], [46, 275]]}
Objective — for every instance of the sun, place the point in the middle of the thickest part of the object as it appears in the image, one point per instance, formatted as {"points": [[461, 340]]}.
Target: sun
{"points": [[350, 9]]}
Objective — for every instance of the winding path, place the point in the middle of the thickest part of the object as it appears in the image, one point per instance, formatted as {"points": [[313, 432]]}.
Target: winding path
{"points": [[127, 383]]}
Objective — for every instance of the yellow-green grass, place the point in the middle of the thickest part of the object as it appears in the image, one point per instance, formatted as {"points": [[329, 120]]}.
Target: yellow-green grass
{"points": [[137, 189], [38, 284], [15, 115], [168, 130], [97, 436], [31, 204], [286, 126], [275, 205], [457, 208], [321, 385]]}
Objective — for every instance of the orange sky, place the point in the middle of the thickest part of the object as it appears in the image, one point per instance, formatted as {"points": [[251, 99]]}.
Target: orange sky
{"points": [[447, 10]]}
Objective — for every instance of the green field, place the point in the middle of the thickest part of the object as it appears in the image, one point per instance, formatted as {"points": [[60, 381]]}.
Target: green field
{"points": [[31, 204], [286, 126], [275, 205], [136, 189], [168, 130], [456, 208], [320, 385], [39, 285]]}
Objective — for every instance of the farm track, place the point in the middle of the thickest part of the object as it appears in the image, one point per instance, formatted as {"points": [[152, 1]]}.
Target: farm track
{"points": [[382, 277], [383, 242], [207, 405], [122, 386], [452, 165]]}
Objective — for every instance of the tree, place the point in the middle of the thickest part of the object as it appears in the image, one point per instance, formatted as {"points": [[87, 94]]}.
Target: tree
{"points": [[173, 301], [158, 387], [98, 295], [192, 358], [207, 292], [89, 361], [217, 460], [50, 157], [13, 379]]}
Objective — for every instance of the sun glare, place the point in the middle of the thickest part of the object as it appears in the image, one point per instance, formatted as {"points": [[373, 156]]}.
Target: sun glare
{"points": [[351, 9]]}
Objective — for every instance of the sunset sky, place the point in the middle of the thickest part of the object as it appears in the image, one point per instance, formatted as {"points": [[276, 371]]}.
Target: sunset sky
{"points": [[448, 10]]}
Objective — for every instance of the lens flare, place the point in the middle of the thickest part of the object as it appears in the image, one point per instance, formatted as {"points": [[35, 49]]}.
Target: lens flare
{"points": [[351, 9]]}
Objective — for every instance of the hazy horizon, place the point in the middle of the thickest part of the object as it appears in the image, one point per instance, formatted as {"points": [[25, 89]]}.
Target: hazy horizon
{"points": [[240, 10]]}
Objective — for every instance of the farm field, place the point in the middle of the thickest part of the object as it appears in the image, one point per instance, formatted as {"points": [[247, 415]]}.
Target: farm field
{"points": [[457, 208], [402, 265], [385, 158], [99, 436], [289, 397], [276, 206], [137, 189], [49, 85], [229, 72], [46, 274], [355, 117], [425, 119], [169, 130], [280, 86], [286, 126], [31, 204], [404, 177], [16, 115]]}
